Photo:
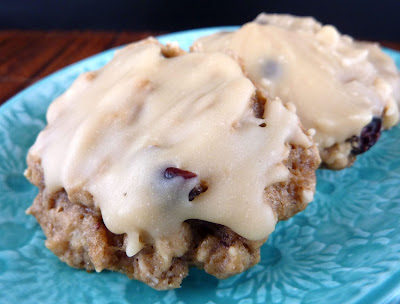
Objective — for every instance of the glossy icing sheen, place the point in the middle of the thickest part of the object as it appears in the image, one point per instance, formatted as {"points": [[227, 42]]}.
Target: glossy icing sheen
{"points": [[116, 131], [338, 85]]}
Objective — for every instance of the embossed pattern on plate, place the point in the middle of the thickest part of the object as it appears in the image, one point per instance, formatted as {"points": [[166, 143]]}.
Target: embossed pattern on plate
{"points": [[344, 248]]}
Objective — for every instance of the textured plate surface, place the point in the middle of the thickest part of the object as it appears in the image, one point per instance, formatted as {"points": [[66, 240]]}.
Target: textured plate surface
{"points": [[344, 248]]}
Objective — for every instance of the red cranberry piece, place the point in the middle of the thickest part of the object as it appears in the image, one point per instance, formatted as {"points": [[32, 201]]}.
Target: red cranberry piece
{"points": [[201, 187], [197, 190], [368, 137], [172, 172]]}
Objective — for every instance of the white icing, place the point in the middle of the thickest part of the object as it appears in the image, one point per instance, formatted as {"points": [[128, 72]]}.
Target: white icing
{"points": [[307, 196], [116, 130], [338, 85]]}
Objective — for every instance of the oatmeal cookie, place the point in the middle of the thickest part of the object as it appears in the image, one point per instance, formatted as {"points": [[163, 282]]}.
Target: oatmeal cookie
{"points": [[345, 90], [163, 160]]}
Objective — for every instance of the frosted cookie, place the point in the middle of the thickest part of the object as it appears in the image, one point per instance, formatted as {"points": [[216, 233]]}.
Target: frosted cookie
{"points": [[163, 160], [344, 90]]}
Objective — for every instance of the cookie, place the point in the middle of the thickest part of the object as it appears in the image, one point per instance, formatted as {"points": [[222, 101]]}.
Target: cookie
{"points": [[163, 160], [345, 90]]}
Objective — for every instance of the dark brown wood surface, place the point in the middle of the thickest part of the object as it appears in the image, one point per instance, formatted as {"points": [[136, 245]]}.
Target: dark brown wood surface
{"points": [[27, 56]]}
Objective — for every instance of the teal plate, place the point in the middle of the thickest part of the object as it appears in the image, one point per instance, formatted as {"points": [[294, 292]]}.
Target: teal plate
{"points": [[344, 248]]}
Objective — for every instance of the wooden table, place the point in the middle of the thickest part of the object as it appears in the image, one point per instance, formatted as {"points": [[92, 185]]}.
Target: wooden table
{"points": [[27, 56]]}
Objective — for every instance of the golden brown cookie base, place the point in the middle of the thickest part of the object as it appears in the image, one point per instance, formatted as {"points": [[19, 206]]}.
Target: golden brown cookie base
{"points": [[78, 236], [337, 157]]}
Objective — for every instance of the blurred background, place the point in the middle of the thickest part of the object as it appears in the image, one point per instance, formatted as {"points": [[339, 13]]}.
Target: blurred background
{"points": [[364, 19], [39, 37]]}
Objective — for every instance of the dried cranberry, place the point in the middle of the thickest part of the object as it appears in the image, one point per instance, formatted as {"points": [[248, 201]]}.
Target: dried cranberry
{"points": [[201, 187], [368, 137], [172, 172], [259, 105], [197, 190]]}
